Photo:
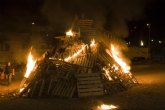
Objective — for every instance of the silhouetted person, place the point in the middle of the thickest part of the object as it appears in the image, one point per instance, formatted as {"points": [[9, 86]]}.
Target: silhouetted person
{"points": [[9, 71], [1, 74]]}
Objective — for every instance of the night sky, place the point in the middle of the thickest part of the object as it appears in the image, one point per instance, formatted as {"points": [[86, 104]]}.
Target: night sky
{"points": [[121, 17]]}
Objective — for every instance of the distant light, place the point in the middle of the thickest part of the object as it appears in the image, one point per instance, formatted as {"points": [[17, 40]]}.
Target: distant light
{"points": [[152, 40], [141, 43], [160, 42], [128, 43], [33, 23], [148, 24]]}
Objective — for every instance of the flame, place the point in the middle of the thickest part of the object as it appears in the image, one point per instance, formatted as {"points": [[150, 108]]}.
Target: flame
{"points": [[107, 73], [93, 46], [30, 65], [115, 53], [75, 54], [106, 107], [69, 33], [93, 43], [21, 89]]}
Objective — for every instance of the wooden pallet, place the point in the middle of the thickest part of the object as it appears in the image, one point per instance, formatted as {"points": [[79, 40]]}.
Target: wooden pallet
{"points": [[89, 84], [112, 87], [64, 88], [87, 60], [66, 69]]}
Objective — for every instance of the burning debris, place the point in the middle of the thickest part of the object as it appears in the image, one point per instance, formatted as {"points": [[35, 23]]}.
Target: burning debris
{"points": [[107, 107], [82, 70]]}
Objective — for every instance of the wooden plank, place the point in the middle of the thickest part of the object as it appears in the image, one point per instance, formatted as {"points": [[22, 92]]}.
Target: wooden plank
{"points": [[84, 62], [79, 61], [67, 89], [90, 86], [103, 59], [91, 61], [76, 61], [72, 90], [87, 60], [88, 78], [42, 87], [88, 75], [94, 60], [64, 89], [50, 86], [60, 89], [89, 82], [56, 88], [91, 90], [33, 88]]}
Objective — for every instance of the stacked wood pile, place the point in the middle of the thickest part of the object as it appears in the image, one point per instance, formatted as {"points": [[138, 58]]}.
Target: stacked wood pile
{"points": [[82, 76], [89, 85]]}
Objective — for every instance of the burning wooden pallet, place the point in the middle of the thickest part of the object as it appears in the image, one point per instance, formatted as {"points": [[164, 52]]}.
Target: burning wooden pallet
{"points": [[88, 73], [85, 60]]}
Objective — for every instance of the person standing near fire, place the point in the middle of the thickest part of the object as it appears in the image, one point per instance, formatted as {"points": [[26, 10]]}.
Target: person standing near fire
{"points": [[9, 72]]}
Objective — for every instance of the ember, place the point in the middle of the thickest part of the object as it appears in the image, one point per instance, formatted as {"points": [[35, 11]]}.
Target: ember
{"points": [[107, 74], [107, 107], [69, 33], [93, 46]]}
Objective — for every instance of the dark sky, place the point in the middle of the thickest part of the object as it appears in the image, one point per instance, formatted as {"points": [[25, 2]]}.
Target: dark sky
{"points": [[113, 15]]}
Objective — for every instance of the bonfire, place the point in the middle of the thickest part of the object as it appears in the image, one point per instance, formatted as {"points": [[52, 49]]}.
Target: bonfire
{"points": [[86, 69]]}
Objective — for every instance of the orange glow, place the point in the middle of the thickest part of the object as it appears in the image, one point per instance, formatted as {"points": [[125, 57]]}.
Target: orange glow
{"points": [[69, 33], [107, 73], [93, 46], [93, 43], [75, 54], [21, 90], [30, 65], [106, 107], [115, 67], [115, 53]]}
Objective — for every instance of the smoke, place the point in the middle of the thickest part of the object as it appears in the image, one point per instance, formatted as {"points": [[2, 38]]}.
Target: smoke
{"points": [[111, 15], [61, 13]]}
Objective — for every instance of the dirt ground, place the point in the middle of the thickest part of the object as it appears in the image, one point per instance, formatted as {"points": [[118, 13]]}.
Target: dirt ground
{"points": [[149, 95]]}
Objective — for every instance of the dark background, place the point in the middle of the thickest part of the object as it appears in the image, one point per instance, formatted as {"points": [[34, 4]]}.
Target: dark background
{"points": [[125, 18]]}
